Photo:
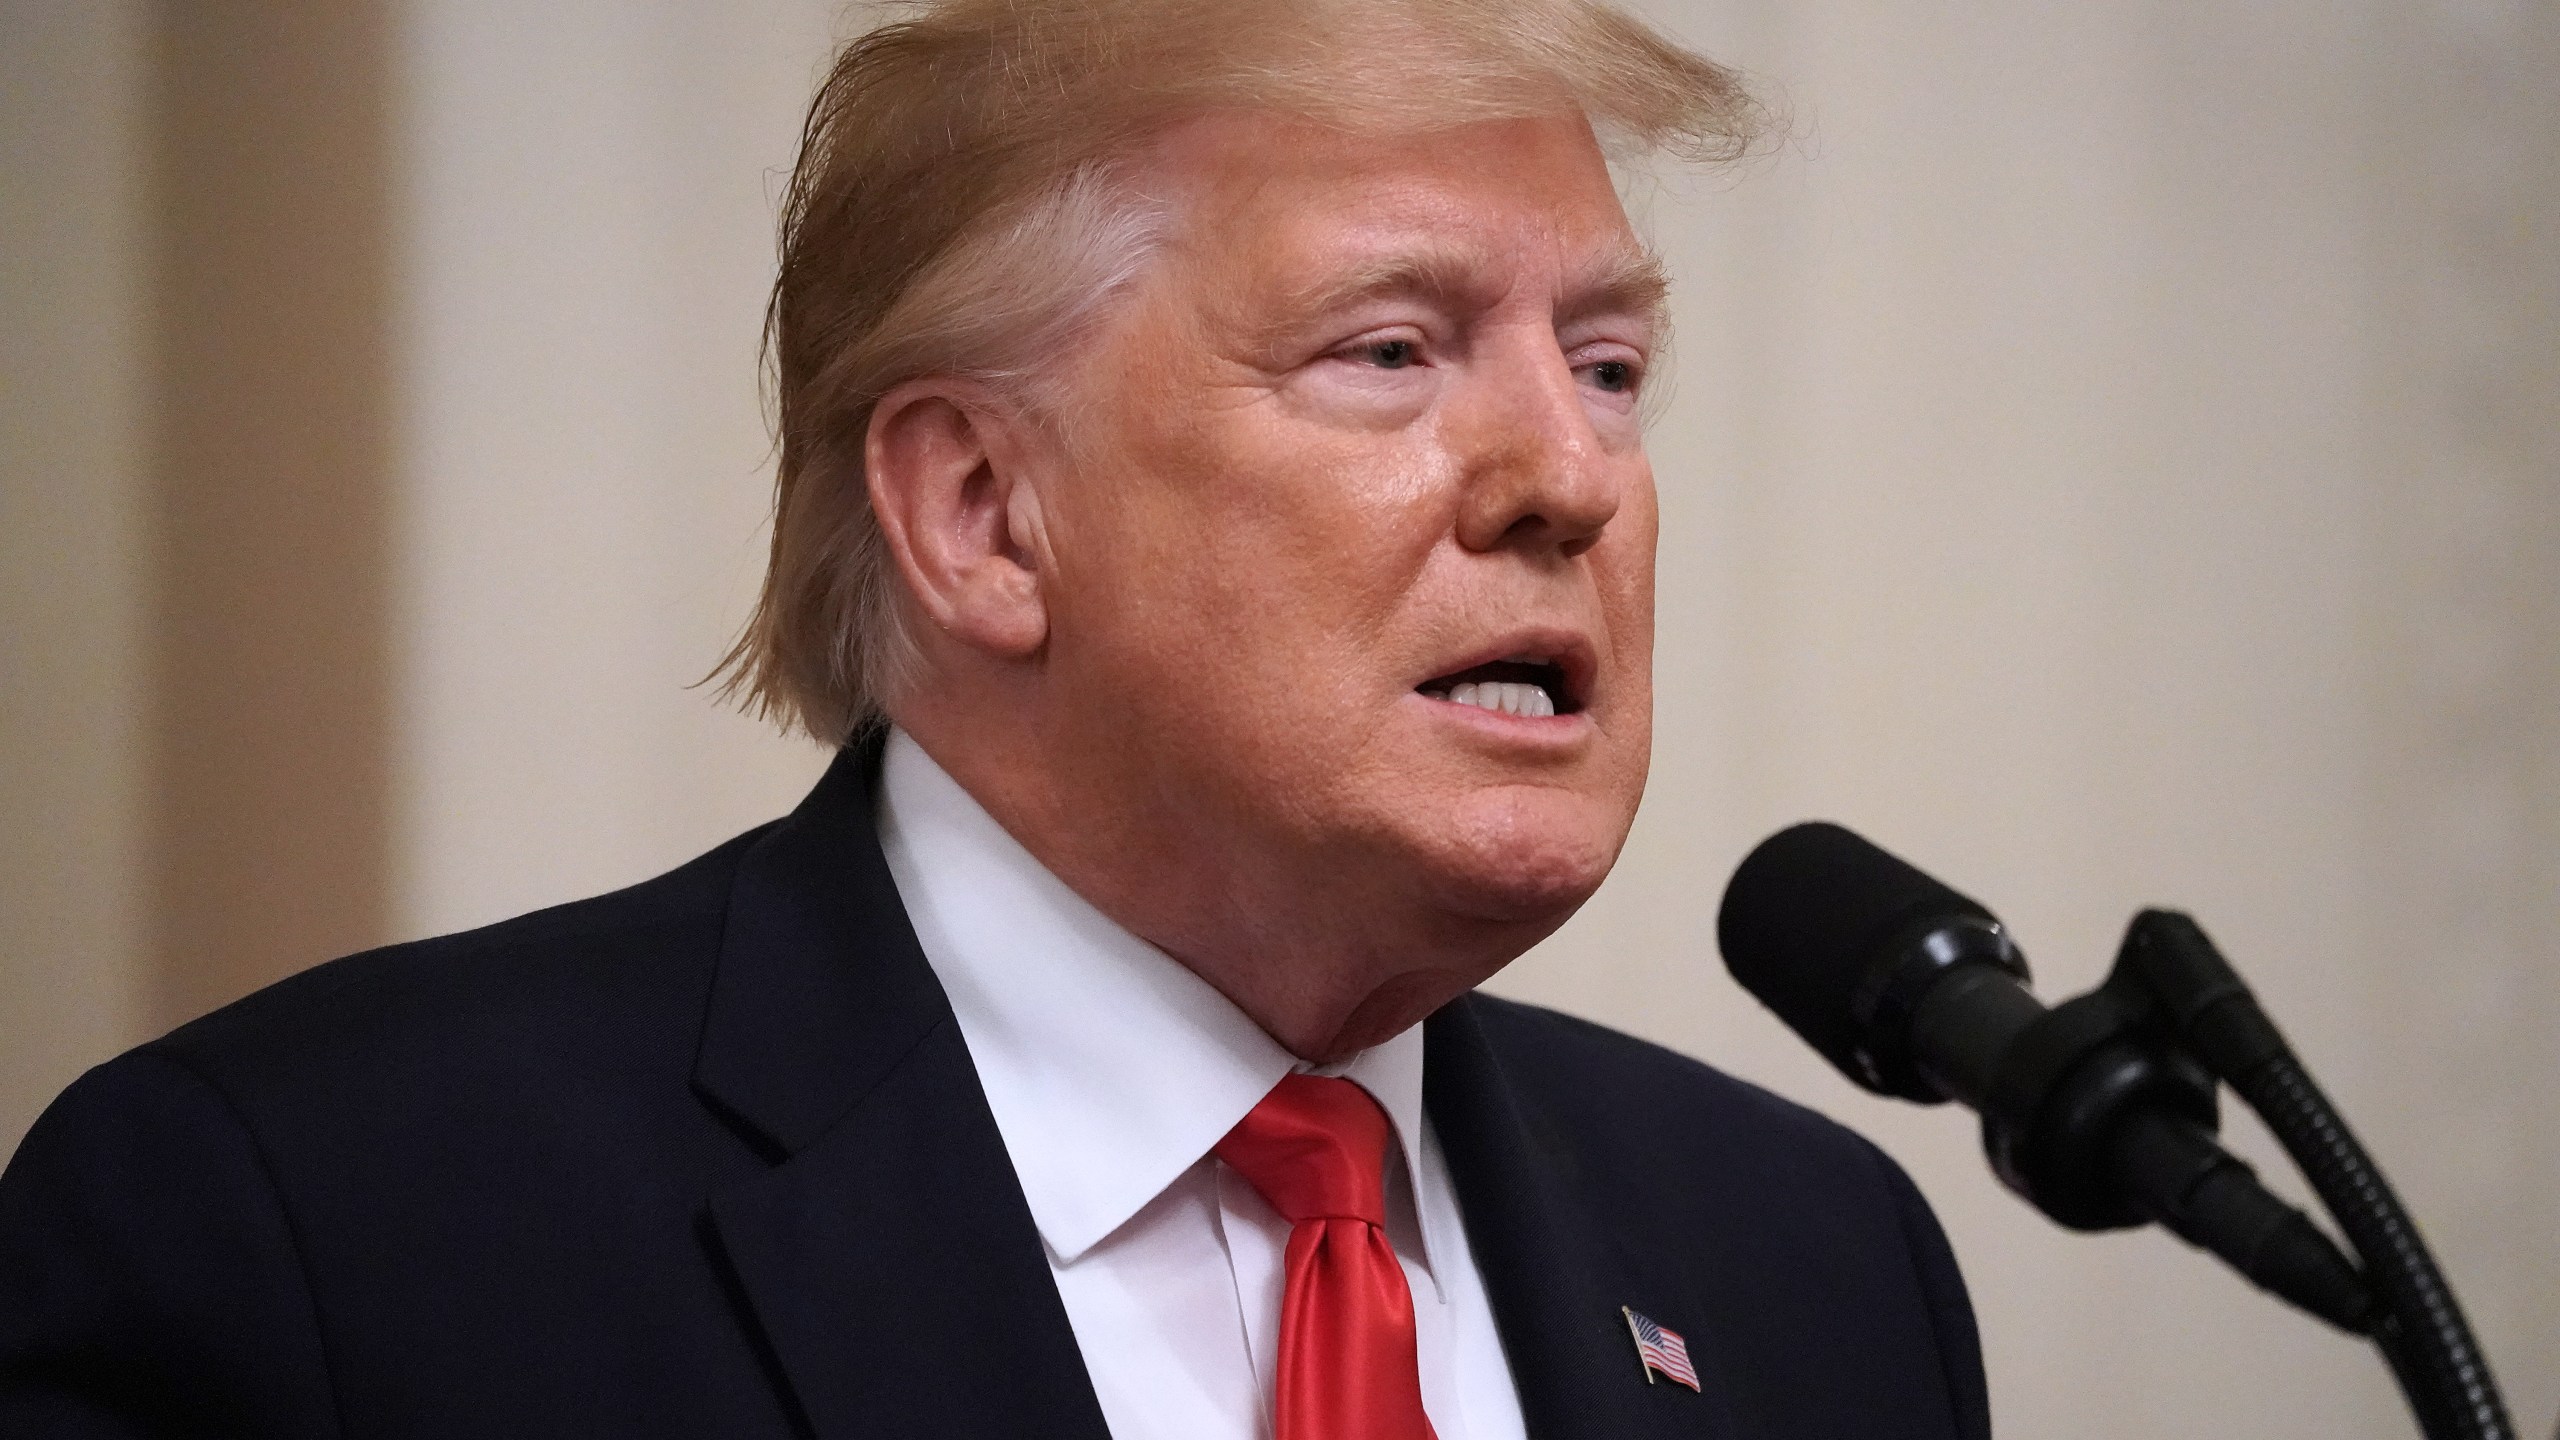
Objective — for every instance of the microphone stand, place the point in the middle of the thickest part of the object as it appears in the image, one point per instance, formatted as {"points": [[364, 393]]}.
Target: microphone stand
{"points": [[2171, 991]]}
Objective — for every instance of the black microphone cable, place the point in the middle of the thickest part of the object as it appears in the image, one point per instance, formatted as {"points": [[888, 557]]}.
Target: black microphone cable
{"points": [[2219, 1021]]}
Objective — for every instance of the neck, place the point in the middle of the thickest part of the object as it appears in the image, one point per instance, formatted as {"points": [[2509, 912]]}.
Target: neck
{"points": [[1329, 958]]}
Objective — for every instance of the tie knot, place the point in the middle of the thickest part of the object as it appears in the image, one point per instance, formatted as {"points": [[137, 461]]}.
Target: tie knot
{"points": [[1314, 1148]]}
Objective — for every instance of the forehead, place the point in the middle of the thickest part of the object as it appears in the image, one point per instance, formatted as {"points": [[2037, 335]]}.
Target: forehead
{"points": [[1294, 214]]}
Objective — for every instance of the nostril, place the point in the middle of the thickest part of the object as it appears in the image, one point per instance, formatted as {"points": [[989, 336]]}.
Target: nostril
{"points": [[1567, 517]]}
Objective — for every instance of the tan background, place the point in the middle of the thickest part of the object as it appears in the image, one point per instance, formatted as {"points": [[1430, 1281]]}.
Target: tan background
{"points": [[2116, 459]]}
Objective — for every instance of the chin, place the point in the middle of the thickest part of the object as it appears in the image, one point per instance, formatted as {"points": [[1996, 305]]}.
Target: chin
{"points": [[1527, 858]]}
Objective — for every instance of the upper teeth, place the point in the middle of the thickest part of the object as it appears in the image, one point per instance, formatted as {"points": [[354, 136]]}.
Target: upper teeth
{"points": [[1509, 697]]}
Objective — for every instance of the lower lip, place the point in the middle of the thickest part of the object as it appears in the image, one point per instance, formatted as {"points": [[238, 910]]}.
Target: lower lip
{"points": [[1520, 729]]}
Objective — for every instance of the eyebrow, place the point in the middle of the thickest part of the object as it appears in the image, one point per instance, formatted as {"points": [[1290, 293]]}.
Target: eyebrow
{"points": [[1628, 280], [1631, 281]]}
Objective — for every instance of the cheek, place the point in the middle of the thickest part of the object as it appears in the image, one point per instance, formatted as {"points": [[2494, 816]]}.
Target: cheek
{"points": [[1283, 543], [1226, 593], [1356, 538], [1623, 565]]}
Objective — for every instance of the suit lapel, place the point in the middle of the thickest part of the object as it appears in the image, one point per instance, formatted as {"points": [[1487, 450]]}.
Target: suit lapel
{"points": [[1552, 1266], [887, 1258]]}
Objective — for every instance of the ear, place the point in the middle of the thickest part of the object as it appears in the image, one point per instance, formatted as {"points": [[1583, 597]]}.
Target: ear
{"points": [[951, 486]]}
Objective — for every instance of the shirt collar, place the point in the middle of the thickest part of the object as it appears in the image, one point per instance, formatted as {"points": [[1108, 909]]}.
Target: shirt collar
{"points": [[1110, 1066]]}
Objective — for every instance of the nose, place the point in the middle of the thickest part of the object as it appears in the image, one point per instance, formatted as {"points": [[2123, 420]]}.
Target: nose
{"points": [[1537, 475]]}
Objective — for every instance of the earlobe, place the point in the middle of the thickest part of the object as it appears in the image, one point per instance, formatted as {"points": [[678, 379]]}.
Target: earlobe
{"points": [[956, 505]]}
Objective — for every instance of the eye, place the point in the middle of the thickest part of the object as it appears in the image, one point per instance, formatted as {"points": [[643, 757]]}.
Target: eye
{"points": [[1617, 377], [1389, 354]]}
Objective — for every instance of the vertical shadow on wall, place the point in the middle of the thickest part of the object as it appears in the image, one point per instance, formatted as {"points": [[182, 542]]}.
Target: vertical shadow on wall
{"points": [[271, 487]]}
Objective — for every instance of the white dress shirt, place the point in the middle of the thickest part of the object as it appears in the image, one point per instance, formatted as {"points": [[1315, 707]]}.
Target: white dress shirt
{"points": [[1112, 1070]]}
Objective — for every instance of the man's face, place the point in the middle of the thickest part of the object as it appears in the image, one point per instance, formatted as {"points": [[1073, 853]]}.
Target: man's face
{"points": [[1363, 446]]}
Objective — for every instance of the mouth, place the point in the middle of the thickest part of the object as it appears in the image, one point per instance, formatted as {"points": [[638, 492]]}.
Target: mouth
{"points": [[1528, 683]]}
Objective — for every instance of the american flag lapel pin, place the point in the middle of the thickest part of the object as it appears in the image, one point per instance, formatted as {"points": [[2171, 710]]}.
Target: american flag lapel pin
{"points": [[1663, 1352]]}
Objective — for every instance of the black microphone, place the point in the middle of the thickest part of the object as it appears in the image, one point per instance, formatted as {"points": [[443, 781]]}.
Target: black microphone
{"points": [[1916, 991]]}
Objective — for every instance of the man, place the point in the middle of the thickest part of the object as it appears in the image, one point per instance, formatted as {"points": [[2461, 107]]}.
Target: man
{"points": [[1215, 528]]}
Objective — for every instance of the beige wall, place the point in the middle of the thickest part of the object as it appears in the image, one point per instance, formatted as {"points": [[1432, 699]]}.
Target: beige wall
{"points": [[584, 466], [74, 913], [2111, 462], [272, 370]]}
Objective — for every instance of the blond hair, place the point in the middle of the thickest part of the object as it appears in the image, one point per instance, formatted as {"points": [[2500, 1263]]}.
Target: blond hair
{"points": [[960, 207]]}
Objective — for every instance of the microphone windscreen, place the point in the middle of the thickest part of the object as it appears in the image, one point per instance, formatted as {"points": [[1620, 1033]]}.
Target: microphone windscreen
{"points": [[1810, 915]]}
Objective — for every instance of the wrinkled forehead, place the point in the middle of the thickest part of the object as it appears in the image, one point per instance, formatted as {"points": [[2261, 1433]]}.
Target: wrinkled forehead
{"points": [[1288, 215]]}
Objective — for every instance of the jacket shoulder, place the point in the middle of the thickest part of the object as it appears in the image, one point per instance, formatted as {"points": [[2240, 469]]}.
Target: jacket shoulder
{"points": [[1577, 1071], [582, 975]]}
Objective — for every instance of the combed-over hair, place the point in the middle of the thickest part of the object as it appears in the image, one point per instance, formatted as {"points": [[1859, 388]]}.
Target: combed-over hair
{"points": [[959, 208]]}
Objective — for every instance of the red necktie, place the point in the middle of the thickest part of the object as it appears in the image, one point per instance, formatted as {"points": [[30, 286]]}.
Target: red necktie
{"points": [[1316, 1150]]}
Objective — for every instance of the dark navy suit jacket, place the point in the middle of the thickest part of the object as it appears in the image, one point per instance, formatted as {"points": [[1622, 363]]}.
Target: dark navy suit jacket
{"points": [[707, 1158]]}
